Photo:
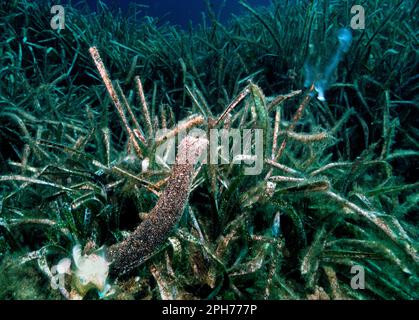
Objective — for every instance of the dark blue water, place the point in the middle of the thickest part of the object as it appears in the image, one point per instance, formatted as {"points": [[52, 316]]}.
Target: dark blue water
{"points": [[181, 12]]}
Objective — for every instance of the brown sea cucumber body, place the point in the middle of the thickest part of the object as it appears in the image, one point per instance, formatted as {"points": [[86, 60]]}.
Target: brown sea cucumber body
{"points": [[154, 231]]}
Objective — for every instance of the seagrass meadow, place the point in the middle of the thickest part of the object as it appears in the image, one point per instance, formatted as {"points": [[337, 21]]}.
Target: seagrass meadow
{"points": [[90, 210]]}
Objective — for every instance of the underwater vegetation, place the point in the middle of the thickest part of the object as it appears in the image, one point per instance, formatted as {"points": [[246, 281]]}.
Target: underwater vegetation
{"points": [[90, 209]]}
